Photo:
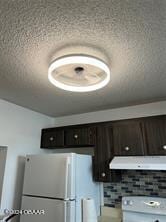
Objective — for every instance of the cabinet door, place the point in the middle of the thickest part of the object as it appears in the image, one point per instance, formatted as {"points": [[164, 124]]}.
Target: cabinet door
{"points": [[103, 154], [52, 138], [155, 133], [80, 136], [128, 138]]}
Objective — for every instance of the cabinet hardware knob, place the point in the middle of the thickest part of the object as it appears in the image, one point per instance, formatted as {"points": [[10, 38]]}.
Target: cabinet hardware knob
{"points": [[164, 147], [75, 136], [103, 174], [127, 148], [51, 138]]}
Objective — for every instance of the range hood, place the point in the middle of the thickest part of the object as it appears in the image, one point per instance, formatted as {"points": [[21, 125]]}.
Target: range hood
{"points": [[138, 163]]}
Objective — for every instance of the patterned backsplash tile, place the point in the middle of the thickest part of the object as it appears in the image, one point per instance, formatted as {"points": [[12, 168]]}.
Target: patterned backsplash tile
{"points": [[134, 183]]}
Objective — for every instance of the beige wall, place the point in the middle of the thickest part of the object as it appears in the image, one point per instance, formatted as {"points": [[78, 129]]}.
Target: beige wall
{"points": [[150, 109], [20, 131]]}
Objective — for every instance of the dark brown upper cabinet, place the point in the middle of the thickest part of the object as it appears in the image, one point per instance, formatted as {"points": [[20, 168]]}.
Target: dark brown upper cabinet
{"points": [[80, 136], [155, 135], [52, 138], [128, 139], [103, 154]]}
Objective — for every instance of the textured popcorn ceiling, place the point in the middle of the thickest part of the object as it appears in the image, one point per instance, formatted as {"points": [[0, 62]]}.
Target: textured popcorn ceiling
{"points": [[132, 33]]}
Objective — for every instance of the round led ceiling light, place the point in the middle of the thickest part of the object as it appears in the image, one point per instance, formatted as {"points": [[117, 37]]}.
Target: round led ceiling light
{"points": [[79, 73]]}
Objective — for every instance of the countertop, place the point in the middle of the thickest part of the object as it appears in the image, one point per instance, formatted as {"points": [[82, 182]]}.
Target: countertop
{"points": [[109, 214], [109, 219]]}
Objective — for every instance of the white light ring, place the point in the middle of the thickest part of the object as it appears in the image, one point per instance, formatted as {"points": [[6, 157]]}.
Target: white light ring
{"points": [[77, 59]]}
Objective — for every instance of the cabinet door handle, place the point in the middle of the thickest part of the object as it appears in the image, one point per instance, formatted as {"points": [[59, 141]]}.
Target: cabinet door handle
{"points": [[103, 174], [127, 148], [75, 136], [51, 138], [164, 147]]}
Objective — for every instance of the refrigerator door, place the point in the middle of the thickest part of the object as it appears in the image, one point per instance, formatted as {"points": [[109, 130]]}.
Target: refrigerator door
{"points": [[50, 175], [50, 210]]}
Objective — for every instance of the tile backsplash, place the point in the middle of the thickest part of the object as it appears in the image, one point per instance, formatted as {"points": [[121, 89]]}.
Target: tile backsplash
{"points": [[147, 183]]}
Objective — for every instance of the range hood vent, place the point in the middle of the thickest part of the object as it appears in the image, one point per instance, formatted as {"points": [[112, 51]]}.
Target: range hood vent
{"points": [[138, 163]]}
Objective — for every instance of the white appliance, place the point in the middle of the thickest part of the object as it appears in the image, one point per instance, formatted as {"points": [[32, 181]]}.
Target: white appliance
{"points": [[138, 163], [144, 209], [56, 183]]}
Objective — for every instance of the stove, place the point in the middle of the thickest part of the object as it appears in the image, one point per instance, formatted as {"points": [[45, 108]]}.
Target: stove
{"points": [[144, 209]]}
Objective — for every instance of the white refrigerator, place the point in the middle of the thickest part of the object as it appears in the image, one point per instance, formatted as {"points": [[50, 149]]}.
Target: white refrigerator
{"points": [[56, 183]]}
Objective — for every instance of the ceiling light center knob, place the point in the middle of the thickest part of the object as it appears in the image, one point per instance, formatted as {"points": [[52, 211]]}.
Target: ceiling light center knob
{"points": [[79, 70]]}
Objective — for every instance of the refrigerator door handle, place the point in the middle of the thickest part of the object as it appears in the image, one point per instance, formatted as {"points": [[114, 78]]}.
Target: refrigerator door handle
{"points": [[67, 176], [65, 213], [69, 211]]}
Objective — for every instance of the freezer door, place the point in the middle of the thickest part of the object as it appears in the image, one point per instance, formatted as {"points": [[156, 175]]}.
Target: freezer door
{"points": [[50, 175], [47, 210]]}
